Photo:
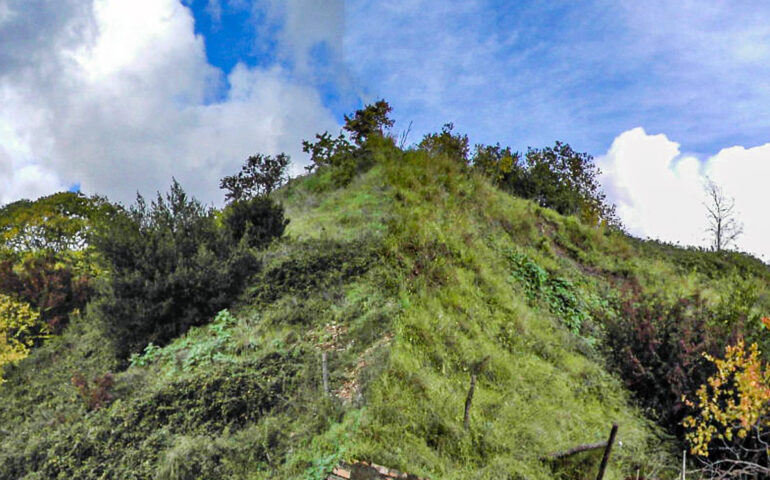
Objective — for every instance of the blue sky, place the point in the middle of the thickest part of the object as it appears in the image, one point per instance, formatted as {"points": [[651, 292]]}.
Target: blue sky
{"points": [[118, 96], [529, 73]]}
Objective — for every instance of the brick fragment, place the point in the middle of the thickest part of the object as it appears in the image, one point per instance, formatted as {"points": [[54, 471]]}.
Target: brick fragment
{"points": [[341, 472]]}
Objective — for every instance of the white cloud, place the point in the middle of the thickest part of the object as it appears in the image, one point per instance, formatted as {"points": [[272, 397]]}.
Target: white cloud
{"points": [[660, 194], [127, 103], [306, 24]]}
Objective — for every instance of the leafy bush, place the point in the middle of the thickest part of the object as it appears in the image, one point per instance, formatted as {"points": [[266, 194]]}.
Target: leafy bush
{"points": [[256, 221], [128, 438], [658, 348], [172, 267], [451, 145], [96, 393], [49, 283], [559, 294], [314, 266], [20, 328], [555, 177], [191, 351], [729, 427]]}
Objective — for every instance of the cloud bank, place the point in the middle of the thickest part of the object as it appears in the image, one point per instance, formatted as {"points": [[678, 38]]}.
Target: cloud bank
{"points": [[659, 191], [119, 96]]}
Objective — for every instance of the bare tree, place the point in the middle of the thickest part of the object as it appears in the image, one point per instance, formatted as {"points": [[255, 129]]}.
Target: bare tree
{"points": [[723, 226]]}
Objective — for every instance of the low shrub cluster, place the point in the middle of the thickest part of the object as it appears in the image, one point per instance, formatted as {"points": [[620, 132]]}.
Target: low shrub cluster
{"points": [[128, 438], [313, 266], [559, 294]]}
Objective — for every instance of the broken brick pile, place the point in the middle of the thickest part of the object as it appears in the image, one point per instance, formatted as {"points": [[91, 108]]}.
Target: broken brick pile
{"points": [[368, 471]]}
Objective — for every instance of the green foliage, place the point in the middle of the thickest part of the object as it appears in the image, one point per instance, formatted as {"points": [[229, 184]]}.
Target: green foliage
{"points": [[171, 268], [255, 222], [372, 120], [128, 438], [346, 160], [58, 222], [559, 294], [259, 175], [451, 145], [555, 177], [500, 165], [53, 284], [405, 279], [193, 458], [201, 347], [313, 266]]}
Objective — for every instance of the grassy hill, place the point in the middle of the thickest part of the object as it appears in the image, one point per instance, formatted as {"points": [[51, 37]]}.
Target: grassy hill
{"points": [[406, 280]]}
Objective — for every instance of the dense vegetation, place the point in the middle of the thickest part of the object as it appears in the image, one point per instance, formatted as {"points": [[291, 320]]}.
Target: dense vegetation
{"points": [[174, 341]]}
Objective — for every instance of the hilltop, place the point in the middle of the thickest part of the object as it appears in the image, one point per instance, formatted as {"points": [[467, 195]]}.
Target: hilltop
{"points": [[400, 278]]}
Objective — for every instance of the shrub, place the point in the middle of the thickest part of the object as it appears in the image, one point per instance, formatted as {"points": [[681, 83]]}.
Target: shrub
{"points": [[256, 221], [731, 409], [172, 267], [558, 294], [95, 394], [555, 177], [20, 328], [451, 145], [50, 285], [658, 348]]}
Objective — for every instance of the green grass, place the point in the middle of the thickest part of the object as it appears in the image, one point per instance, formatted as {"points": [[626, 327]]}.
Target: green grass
{"points": [[407, 278]]}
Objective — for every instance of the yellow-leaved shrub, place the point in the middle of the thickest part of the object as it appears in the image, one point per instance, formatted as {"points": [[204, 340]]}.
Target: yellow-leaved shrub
{"points": [[20, 327]]}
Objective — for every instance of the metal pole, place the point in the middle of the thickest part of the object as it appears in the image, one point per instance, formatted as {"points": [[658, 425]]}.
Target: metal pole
{"points": [[684, 464]]}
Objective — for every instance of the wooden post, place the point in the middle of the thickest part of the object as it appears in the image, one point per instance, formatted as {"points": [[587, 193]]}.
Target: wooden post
{"points": [[325, 373], [607, 451], [475, 369], [468, 400]]}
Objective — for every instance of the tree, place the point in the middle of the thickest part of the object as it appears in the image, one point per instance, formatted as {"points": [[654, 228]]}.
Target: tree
{"points": [[58, 222], [555, 177], [453, 145], [52, 286], [366, 128], [371, 120], [499, 164], [730, 431], [328, 151], [723, 226], [172, 267], [259, 175]]}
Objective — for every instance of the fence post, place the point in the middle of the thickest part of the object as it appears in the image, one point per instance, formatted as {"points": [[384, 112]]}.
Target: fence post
{"points": [[684, 464], [325, 373], [607, 451]]}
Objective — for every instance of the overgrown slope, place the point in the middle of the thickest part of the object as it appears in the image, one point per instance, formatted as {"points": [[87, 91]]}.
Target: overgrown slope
{"points": [[406, 280]]}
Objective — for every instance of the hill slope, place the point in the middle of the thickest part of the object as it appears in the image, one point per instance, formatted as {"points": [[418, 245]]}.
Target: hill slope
{"points": [[405, 281]]}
